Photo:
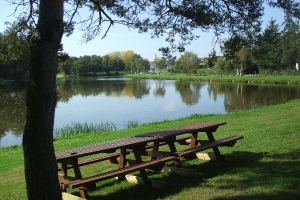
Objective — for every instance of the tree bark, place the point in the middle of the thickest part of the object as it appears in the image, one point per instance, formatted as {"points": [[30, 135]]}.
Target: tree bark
{"points": [[39, 157]]}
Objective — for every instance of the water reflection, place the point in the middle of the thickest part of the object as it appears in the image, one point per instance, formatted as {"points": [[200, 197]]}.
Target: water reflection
{"points": [[108, 87], [246, 96], [159, 88], [189, 91], [120, 100], [12, 112]]}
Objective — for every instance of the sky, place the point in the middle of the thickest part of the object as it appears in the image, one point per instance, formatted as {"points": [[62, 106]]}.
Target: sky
{"points": [[120, 38]]}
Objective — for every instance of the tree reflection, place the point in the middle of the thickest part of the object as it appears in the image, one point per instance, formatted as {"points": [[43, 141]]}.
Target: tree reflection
{"points": [[235, 95], [93, 87], [12, 112], [246, 96], [64, 91], [139, 88], [189, 91], [159, 88], [88, 87]]}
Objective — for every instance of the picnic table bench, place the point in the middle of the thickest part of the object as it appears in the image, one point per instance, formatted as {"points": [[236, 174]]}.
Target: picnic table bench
{"points": [[74, 183], [170, 137], [69, 159], [229, 141], [144, 144]]}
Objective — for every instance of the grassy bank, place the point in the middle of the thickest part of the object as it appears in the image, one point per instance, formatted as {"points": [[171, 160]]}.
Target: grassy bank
{"points": [[267, 166], [242, 79]]}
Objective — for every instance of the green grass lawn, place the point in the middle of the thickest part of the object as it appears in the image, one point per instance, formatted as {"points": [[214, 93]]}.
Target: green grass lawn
{"points": [[267, 166], [241, 79]]}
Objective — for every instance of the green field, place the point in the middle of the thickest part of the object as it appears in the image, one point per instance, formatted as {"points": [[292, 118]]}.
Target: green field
{"points": [[267, 166], [241, 79]]}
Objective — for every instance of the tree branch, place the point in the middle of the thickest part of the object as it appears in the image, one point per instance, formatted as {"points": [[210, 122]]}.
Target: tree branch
{"points": [[100, 10]]}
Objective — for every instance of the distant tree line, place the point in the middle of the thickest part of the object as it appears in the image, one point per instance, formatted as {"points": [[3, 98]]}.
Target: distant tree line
{"points": [[112, 62], [271, 52], [274, 51], [15, 55]]}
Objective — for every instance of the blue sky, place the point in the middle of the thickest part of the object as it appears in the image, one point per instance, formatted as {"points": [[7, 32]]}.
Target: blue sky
{"points": [[121, 38]]}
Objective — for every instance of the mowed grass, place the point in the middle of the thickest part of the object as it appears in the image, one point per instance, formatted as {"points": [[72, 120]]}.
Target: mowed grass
{"points": [[267, 166], [224, 78]]}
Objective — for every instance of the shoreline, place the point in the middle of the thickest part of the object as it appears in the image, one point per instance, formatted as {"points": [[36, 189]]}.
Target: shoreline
{"points": [[257, 79], [241, 79]]}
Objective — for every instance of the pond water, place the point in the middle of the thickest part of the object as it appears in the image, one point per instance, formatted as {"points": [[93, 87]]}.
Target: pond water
{"points": [[120, 100]]}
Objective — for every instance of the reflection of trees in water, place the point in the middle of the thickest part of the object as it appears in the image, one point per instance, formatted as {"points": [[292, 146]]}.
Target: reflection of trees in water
{"points": [[64, 91], [236, 96], [86, 87], [67, 89], [13, 103], [189, 91], [139, 88], [246, 96], [12, 112], [136, 88], [159, 88]]}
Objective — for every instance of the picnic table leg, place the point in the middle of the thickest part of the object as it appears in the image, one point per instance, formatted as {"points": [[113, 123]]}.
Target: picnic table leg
{"points": [[76, 169], [192, 145], [194, 139], [155, 148], [171, 144], [143, 173], [77, 172], [122, 162], [216, 150], [64, 170]]}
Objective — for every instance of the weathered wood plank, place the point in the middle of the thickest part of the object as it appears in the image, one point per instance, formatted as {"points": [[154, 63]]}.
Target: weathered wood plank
{"points": [[122, 171], [225, 141]]}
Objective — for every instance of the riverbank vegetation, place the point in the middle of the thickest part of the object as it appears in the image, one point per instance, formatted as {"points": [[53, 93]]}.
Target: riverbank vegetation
{"points": [[241, 79], [78, 128], [267, 166]]}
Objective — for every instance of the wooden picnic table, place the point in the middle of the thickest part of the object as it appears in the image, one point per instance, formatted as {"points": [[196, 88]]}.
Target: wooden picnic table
{"points": [[69, 159], [170, 137], [144, 144]]}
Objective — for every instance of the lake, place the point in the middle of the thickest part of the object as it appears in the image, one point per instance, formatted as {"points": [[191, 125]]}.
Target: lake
{"points": [[120, 100]]}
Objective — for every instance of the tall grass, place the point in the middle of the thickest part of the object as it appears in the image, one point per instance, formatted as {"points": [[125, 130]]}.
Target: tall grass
{"points": [[77, 128], [132, 124]]}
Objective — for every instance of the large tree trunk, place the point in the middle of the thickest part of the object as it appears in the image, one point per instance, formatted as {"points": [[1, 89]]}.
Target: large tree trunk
{"points": [[39, 157]]}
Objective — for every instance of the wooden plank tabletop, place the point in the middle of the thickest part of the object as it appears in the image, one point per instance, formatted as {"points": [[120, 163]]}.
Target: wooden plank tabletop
{"points": [[102, 147], [196, 127]]}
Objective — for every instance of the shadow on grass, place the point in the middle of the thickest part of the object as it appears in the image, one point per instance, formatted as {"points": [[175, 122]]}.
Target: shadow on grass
{"points": [[276, 176], [252, 169]]}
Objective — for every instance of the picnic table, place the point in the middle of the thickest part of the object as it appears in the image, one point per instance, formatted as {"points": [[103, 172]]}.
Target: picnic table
{"points": [[144, 144], [69, 159], [171, 136]]}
